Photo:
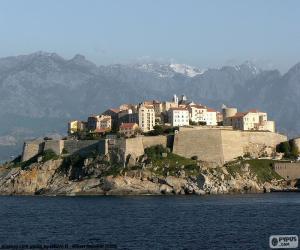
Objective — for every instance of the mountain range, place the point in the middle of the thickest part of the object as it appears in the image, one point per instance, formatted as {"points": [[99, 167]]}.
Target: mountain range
{"points": [[41, 91]]}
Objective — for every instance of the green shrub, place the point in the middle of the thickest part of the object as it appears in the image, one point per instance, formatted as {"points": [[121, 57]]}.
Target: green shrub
{"points": [[289, 149], [155, 152], [49, 155], [64, 151]]}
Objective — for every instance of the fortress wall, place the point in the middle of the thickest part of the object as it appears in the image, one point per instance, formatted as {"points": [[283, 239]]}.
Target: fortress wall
{"points": [[82, 147], [267, 138], [103, 146], [222, 145], [55, 145], [232, 144], [149, 141], [134, 147], [31, 149], [288, 170], [206, 144]]}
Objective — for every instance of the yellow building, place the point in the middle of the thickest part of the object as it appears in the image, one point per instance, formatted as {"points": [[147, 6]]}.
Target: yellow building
{"points": [[75, 126]]}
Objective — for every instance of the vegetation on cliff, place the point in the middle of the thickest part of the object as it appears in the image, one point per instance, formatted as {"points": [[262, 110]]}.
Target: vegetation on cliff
{"points": [[262, 168], [42, 157]]}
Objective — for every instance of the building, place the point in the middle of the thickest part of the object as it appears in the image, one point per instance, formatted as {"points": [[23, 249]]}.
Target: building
{"points": [[113, 113], [250, 120], [211, 117], [178, 117], [146, 117], [99, 122], [126, 106], [127, 116], [129, 129], [75, 126], [202, 114], [197, 113]]}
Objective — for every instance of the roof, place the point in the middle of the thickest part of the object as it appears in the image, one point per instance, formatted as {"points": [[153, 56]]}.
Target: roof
{"points": [[127, 125], [147, 106], [114, 110], [99, 130], [182, 109], [198, 106], [239, 114], [253, 111], [211, 110]]}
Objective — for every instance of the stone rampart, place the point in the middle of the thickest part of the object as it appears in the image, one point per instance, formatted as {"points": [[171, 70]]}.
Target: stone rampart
{"points": [[288, 170], [54, 145], [222, 145], [136, 146], [31, 149], [82, 147]]}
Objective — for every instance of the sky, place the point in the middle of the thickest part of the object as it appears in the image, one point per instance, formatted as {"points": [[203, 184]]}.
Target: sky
{"points": [[204, 34]]}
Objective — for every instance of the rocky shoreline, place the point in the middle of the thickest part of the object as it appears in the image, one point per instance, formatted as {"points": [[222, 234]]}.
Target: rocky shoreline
{"points": [[52, 178]]}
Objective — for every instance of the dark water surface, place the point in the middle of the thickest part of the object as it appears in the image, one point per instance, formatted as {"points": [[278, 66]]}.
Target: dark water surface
{"points": [[151, 222]]}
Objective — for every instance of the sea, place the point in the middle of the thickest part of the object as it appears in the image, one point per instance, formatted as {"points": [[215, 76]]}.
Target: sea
{"points": [[147, 222]]}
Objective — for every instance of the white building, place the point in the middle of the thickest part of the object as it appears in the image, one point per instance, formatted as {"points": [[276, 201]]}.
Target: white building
{"points": [[178, 117], [211, 117], [146, 117], [202, 114], [251, 120]]}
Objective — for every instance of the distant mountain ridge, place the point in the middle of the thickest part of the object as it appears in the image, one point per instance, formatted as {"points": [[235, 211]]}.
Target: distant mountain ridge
{"points": [[39, 92]]}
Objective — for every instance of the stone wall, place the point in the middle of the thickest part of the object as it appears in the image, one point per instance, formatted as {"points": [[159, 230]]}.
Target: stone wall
{"points": [[288, 170], [206, 144], [136, 146], [82, 147], [31, 149], [221, 145], [54, 145]]}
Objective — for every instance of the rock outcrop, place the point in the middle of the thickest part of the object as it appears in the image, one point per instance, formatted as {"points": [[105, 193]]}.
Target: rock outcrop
{"points": [[53, 178]]}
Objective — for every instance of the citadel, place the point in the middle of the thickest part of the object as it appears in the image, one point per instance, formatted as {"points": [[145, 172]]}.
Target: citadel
{"points": [[186, 128]]}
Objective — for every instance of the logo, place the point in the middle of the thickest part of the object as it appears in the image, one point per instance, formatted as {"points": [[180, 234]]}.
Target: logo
{"points": [[284, 241]]}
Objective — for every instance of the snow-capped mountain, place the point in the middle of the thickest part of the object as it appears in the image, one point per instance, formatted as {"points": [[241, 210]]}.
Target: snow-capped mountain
{"points": [[169, 70]]}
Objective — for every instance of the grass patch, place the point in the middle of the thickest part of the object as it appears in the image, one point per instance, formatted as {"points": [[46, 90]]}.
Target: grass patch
{"points": [[262, 168], [172, 163], [46, 156]]}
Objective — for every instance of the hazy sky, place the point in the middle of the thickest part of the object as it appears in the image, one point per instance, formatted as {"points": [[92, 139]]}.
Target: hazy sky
{"points": [[201, 33]]}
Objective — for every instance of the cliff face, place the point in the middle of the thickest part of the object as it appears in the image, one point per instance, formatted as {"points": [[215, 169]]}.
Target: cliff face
{"points": [[53, 177]]}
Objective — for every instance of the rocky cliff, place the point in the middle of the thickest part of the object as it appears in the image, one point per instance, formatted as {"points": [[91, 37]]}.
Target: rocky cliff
{"points": [[161, 175]]}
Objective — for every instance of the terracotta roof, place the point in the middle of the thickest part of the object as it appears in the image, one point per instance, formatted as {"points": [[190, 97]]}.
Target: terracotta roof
{"points": [[253, 111], [147, 102], [129, 125], [211, 110]]}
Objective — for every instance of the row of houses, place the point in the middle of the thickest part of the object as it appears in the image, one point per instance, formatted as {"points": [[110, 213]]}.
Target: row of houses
{"points": [[130, 119]]}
